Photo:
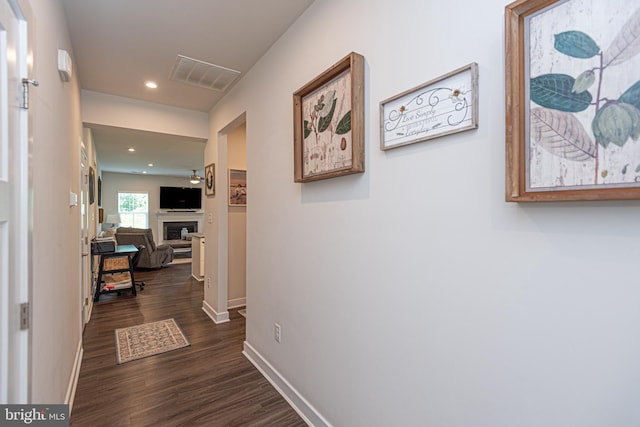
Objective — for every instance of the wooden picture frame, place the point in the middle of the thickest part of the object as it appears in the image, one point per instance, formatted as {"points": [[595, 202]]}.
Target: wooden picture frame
{"points": [[92, 185], [328, 122], [99, 191], [572, 100], [445, 105], [210, 180], [237, 187]]}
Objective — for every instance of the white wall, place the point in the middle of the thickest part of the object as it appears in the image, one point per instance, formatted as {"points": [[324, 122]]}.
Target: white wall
{"points": [[413, 294], [110, 110], [126, 182], [55, 164], [237, 247]]}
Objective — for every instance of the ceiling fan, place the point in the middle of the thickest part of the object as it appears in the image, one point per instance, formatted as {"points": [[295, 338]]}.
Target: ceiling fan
{"points": [[195, 179]]}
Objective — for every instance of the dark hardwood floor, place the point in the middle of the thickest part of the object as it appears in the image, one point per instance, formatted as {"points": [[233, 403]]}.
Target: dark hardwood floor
{"points": [[209, 383]]}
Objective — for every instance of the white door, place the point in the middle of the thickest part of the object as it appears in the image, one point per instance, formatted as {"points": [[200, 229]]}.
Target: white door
{"points": [[14, 207]]}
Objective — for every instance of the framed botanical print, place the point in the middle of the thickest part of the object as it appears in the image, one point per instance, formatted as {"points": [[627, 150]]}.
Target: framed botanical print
{"points": [[328, 122], [572, 100]]}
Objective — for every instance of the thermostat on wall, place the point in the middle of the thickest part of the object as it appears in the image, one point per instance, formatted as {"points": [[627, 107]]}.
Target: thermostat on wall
{"points": [[65, 68]]}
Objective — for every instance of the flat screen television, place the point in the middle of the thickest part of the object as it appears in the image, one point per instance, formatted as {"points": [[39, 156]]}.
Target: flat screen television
{"points": [[180, 198]]}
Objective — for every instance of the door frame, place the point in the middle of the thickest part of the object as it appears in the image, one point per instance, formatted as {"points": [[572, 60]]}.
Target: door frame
{"points": [[86, 273], [16, 341], [216, 291]]}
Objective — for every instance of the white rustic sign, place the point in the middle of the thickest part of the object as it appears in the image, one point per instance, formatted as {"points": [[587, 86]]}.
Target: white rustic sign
{"points": [[445, 105]]}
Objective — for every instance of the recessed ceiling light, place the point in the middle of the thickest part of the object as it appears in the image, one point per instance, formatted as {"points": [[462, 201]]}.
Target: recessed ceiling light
{"points": [[151, 85], [150, 165], [132, 149], [144, 171]]}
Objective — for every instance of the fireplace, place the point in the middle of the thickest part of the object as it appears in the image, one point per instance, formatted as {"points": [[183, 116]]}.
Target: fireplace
{"points": [[171, 229], [176, 220]]}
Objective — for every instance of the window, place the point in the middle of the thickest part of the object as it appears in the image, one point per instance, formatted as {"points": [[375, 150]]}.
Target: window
{"points": [[133, 209]]}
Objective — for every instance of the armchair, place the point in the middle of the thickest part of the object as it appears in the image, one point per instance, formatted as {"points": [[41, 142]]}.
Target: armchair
{"points": [[151, 256]]}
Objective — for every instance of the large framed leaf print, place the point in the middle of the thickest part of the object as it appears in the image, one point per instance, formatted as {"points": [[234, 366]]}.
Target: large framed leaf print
{"points": [[328, 122], [572, 100]]}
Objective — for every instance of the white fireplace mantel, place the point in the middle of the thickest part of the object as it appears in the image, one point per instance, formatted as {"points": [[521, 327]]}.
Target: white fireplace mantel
{"points": [[179, 216]]}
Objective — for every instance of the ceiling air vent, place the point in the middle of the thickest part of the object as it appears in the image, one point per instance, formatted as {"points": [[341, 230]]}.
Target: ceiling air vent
{"points": [[202, 74]]}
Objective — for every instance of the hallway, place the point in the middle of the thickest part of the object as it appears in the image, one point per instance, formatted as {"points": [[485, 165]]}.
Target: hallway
{"points": [[208, 383]]}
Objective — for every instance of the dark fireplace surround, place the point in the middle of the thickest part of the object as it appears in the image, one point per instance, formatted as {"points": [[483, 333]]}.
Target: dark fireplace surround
{"points": [[171, 229]]}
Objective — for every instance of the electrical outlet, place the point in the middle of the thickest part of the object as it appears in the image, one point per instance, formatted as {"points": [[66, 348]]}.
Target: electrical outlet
{"points": [[210, 218], [277, 332], [208, 281]]}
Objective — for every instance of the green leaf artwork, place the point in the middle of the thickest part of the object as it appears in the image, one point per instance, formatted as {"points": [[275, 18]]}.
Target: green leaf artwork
{"points": [[556, 91], [616, 122], [632, 95], [584, 81], [326, 127], [344, 125], [325, 121], [307, 129], [584, 94], [576, 44]]}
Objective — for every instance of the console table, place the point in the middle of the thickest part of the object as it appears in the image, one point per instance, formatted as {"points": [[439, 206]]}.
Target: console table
{"points": [[118, 261]]}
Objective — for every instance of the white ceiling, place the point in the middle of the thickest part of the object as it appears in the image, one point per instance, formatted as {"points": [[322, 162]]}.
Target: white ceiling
{"points": [[169, 154], [120, 44]]}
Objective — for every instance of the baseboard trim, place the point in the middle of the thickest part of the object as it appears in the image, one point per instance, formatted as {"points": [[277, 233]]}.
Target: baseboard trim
{"points": [[90, 311], [214, 315], [299, 404], [73, 380], [235, 303]]}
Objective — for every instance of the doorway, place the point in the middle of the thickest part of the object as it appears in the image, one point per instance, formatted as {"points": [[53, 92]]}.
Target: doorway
{"points": [[217, 290], [237, 221]]}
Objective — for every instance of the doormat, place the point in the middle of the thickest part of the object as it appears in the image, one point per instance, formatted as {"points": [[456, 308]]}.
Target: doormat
{"points": [[148, 339]]}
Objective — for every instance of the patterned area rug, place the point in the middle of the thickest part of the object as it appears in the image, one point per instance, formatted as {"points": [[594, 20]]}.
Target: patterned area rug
{"points": [[148, 339]]}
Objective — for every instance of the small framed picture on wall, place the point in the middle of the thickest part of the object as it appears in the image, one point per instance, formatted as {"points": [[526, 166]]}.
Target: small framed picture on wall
{"points": [[237, 187], [210, 180], [92, 185]]}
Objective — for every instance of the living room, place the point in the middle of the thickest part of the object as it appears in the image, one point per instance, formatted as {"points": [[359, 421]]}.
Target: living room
{"points": [[160, 166]]}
